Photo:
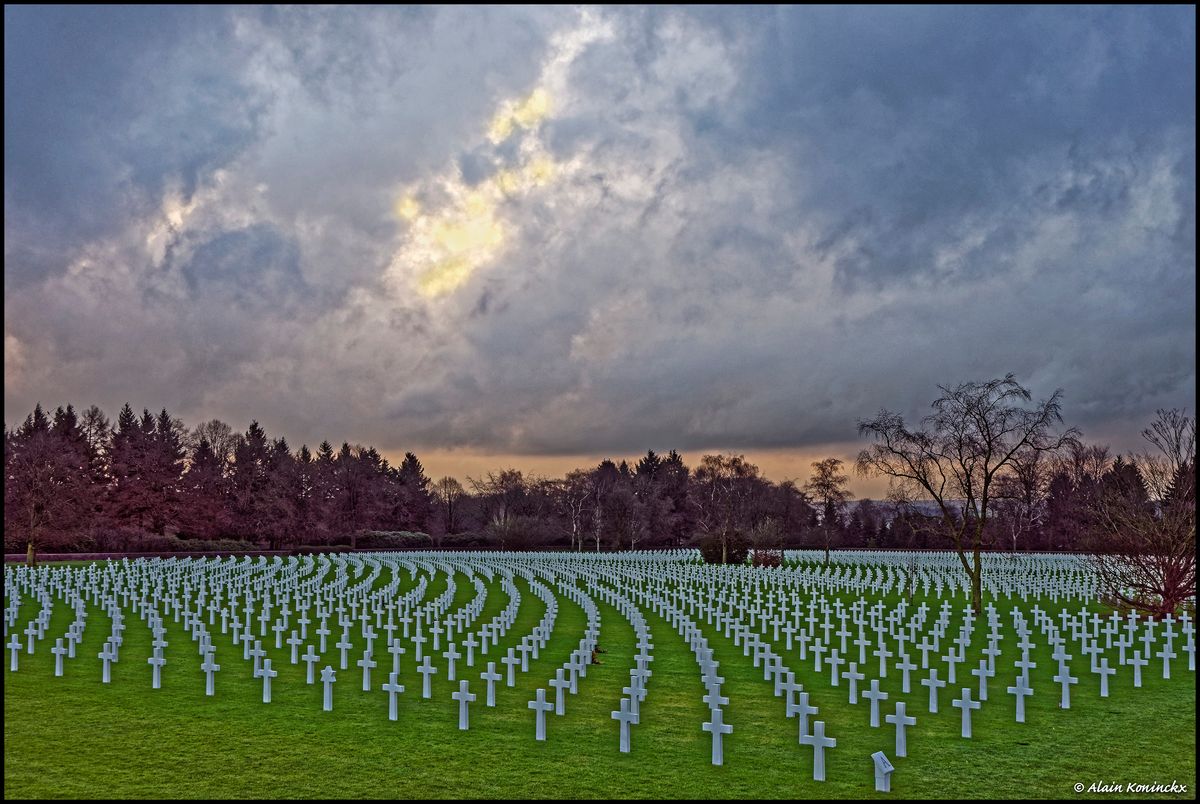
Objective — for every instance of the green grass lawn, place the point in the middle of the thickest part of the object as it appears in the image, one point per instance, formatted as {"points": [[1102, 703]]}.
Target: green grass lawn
{"points": [[74, 737]]}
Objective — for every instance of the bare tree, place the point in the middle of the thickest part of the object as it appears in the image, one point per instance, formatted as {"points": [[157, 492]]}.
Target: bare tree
{"points": [[723, 485], [501, 496], [1083, 463], [221, 438], [766, 538], [828, 487], [1021, 495], [447, 492], [1144, 539], [575, 491], [1173, 432], [625, 515], [972, 439]]}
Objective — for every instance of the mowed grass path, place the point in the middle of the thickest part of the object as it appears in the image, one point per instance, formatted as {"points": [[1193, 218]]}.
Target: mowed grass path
{"points": [[74, 737]]}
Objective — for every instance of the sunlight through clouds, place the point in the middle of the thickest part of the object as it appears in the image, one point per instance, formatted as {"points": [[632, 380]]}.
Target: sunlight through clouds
{"points": [[526, 114], [445, 242], [408, 208]]}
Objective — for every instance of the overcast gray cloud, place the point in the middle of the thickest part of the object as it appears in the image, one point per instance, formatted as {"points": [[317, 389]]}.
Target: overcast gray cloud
{"points": [[557, 231]]}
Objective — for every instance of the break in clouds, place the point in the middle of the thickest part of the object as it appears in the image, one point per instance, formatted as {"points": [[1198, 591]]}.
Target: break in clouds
{"points": [[559, 231]]}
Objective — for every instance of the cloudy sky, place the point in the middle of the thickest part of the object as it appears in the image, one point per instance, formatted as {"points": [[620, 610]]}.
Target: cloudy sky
{"points": [[535, 236]]}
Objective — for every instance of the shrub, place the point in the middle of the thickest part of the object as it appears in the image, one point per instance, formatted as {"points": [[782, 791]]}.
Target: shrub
{"points": [[767, 558], [392, 540], [464, 541], [736, 549], [219, 545]]}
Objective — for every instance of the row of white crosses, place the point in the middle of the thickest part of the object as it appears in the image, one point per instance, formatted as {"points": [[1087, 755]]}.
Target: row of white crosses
{"points": [[565, 680], [528, 647], [901, 719], [1057, 577], [192, 620], [605, 586], [279, 635], [761, 653], [566, 677], [651, 597], [628, 712], [772, 614], [773, 668], [1053, 575]]}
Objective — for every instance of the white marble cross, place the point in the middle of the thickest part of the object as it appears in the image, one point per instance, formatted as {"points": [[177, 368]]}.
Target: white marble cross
{"points": [[1166, 654], [883, 653], [427, 670], [933, 684], [491, 677], [344, 645], [294, 640], [396, 649], [107, 656], [905, 666], [14, 645], [470, 642], [1021, 690], [1104, 671], [209, 667], [718, 728], [1065, 678], [156, 662], [560, 684], [310, 658], [366, 663], [835, 662], [464, 698], [901, 720], [819, 742], [713, 697], [966, 705], [982, 674], [540, 705], [258, 653], [854, 677], [392, 688], [267, 674], [58, 650], [1138, 662], [511, 661], [450, 655], [803, 709], [876, 695], [626, 716], [328, 677]]}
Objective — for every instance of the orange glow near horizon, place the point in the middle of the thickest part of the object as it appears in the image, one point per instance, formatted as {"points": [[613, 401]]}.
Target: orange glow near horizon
{"points": [[774, 464]]}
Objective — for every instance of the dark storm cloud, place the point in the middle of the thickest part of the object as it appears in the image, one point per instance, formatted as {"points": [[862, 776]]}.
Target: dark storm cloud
{"points": [[103, 103], [761, 225]]}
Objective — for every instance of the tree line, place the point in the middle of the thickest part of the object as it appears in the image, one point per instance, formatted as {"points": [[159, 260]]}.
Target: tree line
{"points": [[79, 483]]}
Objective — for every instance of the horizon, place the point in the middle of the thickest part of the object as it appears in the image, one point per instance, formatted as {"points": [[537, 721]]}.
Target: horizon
{"points": [[776, 465]]}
